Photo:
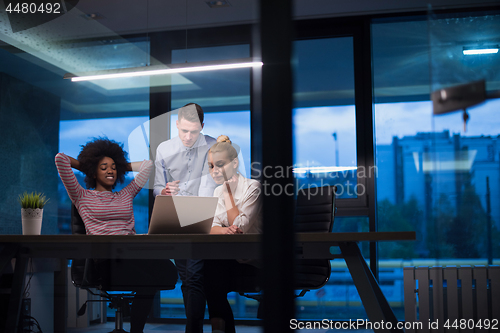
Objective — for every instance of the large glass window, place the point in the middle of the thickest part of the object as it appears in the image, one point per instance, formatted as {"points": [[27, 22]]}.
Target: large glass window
{"points": [[435, 177], [73, 134], [325, 153], [324, 117]]}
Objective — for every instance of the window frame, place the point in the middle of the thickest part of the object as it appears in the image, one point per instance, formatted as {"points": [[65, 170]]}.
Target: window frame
{"points": [[315, 29]]}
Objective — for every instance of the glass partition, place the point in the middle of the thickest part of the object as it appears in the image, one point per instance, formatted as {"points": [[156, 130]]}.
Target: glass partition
{"points": [[464, 165], [325, 153], [324, 117], [43, 114], [434, 177], [225, 99]]}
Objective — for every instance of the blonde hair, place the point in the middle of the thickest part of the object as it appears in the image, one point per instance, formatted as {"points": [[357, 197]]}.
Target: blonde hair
{"points": [[224, 144]]}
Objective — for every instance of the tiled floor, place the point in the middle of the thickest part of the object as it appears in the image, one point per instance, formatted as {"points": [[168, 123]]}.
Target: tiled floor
{"points": [[174, 328]]}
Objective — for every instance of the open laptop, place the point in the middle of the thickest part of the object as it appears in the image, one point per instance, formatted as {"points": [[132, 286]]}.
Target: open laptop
{"points": [[182, 215]]}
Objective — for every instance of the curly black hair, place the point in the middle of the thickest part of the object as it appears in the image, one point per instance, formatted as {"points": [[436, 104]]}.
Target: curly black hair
{"points": [[94, 151]]}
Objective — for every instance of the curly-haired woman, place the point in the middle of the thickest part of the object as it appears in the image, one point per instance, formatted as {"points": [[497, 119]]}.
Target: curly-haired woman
{"points": [[104, 212]]}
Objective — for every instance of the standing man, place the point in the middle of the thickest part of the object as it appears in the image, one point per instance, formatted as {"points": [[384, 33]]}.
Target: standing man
{"points": [[181, 169]]}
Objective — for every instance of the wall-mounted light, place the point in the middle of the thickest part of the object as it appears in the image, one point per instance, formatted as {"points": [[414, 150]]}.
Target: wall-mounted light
{"points": [[164, 70], [480, 50]]}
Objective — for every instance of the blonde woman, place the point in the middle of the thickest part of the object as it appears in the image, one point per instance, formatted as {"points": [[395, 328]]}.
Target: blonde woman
{"points": [[238, 211]]}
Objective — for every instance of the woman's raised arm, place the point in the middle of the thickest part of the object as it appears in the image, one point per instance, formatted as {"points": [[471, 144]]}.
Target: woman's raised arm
{"points": [[75, 164], [134, 166], [64, 163]]}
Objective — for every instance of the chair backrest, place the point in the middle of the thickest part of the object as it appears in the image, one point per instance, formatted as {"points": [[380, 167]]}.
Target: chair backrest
{"points": [[314, 212], [90, 273], [315, 209], [83, 272], [77, 225]]}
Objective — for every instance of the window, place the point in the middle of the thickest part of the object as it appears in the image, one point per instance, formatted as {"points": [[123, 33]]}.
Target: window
{"points": [[434, 177], [326, 153], [324, 117], [73, 134]]}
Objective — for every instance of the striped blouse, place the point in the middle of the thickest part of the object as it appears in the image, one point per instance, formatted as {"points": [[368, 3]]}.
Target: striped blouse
{"points": [[103, 212]]}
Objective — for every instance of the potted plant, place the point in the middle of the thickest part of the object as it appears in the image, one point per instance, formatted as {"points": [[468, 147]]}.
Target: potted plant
{"points": [[32, 212]]}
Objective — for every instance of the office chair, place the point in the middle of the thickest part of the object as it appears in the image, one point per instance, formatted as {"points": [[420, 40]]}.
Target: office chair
{"points": [[85, 275], [314, 212]]}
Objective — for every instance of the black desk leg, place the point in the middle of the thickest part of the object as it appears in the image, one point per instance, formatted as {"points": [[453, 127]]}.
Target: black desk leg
{"points": [[376, 306], [61, 297], [16, 295]]}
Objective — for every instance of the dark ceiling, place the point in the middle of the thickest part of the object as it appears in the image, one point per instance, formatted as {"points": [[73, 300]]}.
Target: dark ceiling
{"points": [[405, 54]]}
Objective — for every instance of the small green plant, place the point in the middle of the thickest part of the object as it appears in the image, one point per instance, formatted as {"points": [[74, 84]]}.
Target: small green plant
{"points": [[32, 200]]}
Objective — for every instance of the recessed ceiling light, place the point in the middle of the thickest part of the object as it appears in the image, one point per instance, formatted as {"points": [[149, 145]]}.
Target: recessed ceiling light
{"points": [[480, 50], [218, 3], [93, 16]]}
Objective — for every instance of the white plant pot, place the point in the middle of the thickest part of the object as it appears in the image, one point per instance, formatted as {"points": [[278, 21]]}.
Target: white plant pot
{"points": [[32, 221]]}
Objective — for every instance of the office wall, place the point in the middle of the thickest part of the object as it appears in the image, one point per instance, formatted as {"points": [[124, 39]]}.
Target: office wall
{"points": [[29, 129]]}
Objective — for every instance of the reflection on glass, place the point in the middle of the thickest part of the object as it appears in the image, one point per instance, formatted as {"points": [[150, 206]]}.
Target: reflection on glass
{"points": [[324, 120], [325, 148], [432, 176], [450, 35], [74, 133], [227, 90], [225, 99]]}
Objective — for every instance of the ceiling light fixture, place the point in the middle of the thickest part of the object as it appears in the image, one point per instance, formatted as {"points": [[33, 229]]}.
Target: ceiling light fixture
{"points": [[161, 69], [482, 50], [93, 16], [165, 70], [323, 169], [218, 3]]}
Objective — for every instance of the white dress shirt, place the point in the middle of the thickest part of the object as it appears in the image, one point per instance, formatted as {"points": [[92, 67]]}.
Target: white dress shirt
{"points": [[247, 199], [174, 161]]}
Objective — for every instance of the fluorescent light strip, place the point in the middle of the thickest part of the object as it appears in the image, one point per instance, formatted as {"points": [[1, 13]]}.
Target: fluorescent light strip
{"points": [[323, 169], [480, 51], [167, 71]]}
